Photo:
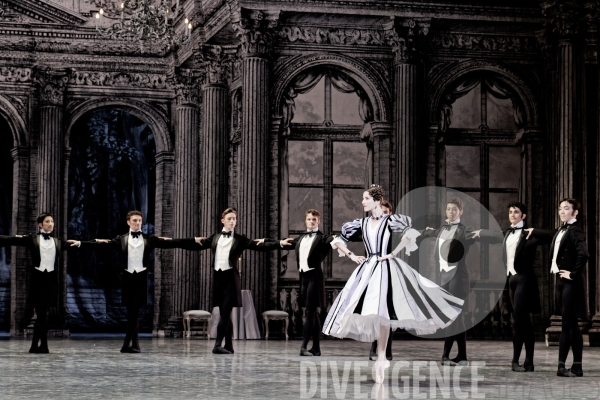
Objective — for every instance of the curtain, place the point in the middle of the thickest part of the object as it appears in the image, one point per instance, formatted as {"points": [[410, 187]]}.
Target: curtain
{"points": [[494, 86]]}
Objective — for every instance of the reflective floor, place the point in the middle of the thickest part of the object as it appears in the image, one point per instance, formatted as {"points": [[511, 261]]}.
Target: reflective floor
{"points": [[92, 367]]}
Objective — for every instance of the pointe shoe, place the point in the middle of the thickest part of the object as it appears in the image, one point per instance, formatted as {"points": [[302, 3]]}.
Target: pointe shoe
{"points": [[379, 371], [304, 352], [220, 350], [447, 361], [314, 352], [517, 368]]}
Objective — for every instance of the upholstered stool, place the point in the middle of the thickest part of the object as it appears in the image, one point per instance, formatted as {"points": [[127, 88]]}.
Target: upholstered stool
{"points": [[275, 315], [196, 315]]}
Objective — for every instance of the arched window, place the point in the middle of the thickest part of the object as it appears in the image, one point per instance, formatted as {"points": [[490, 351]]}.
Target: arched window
{"points": [[324, 112], [481, 115]]}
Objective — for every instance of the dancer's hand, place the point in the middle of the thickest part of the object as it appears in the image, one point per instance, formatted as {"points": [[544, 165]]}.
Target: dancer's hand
{"points": [[102, 240], [528, 230], [74, 243], [286, 242], [475, 234], [391, 255], [357, 259], [165, 238], [565, 274], [259, 241], [429, 229], [199, 239]]}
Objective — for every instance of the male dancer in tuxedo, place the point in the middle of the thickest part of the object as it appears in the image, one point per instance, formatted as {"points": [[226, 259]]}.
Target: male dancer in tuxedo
{"points": [[227, 246], [311, 249], [568, 255], [518, 255], [451, 248], [387, 208], [135, 248], [45, 275]]}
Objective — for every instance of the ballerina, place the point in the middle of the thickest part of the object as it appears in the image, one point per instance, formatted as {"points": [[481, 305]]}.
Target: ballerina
{"points": [[384, 292]]}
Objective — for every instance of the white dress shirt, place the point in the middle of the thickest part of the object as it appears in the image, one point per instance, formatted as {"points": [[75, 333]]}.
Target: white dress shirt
{"points": [[222, 253], [305, 246], [47, 253], [554, 268], [511, 247], [135, 254], [447, 234]]}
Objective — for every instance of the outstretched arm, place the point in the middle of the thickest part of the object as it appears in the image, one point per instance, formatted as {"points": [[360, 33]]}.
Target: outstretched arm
{"points": [[191, 244], [486, 236], [18, 240], [343, 249]]}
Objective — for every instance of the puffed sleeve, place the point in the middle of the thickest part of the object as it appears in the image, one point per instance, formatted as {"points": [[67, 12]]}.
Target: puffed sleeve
{"points": [[402, 224], [351, 231]]}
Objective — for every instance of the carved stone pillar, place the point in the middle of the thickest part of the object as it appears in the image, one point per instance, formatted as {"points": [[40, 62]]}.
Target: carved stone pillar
{"points": [[567, 21], [405, 37], [51, 144], [186, 275], [163, 259], [20, 258], [255, 32], [215, 158], [50, 171]]}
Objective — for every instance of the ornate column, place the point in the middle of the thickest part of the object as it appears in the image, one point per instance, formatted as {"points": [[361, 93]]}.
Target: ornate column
{"points": [[567, 21], [50, 170], [51, 85], [186, 276], [20, 223], [215, 156], [405, 37], [255, 29]]}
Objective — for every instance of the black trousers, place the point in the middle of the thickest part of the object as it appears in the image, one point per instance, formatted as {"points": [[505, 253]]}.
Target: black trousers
{"points": [[570, 337], [43, 292], [225, 280], [456, 331], [134, 296], [522, 329], [309, 294]]}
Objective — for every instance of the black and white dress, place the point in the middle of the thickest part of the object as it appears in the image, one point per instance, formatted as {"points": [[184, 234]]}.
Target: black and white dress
{"points": [[389, 292]]}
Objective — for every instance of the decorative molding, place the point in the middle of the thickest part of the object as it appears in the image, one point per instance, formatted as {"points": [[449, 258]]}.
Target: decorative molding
{"points": [[335, 36], [15, 74], [51, 85], [45, 11], [485, 43], [118, 79], [6, 15], [21, 103]]}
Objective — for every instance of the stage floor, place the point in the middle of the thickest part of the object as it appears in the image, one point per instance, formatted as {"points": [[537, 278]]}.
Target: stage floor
{"points": [[92, 367]]}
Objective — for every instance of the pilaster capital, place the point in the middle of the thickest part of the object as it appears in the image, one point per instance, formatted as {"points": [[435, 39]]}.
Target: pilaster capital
{"points": [[51, 84], [217, 64], [186, 85], [255, 28], [567, 19], [407, 37]]}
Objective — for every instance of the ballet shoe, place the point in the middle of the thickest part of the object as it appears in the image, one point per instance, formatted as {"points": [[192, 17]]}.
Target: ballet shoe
{"points": [[229, 348], [517, 368], [304, 352], [448, 361], [220, 350], [314, 352]]}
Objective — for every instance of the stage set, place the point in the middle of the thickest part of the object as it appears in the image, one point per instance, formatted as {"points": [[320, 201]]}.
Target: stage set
{"points": [[181, 109]]}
